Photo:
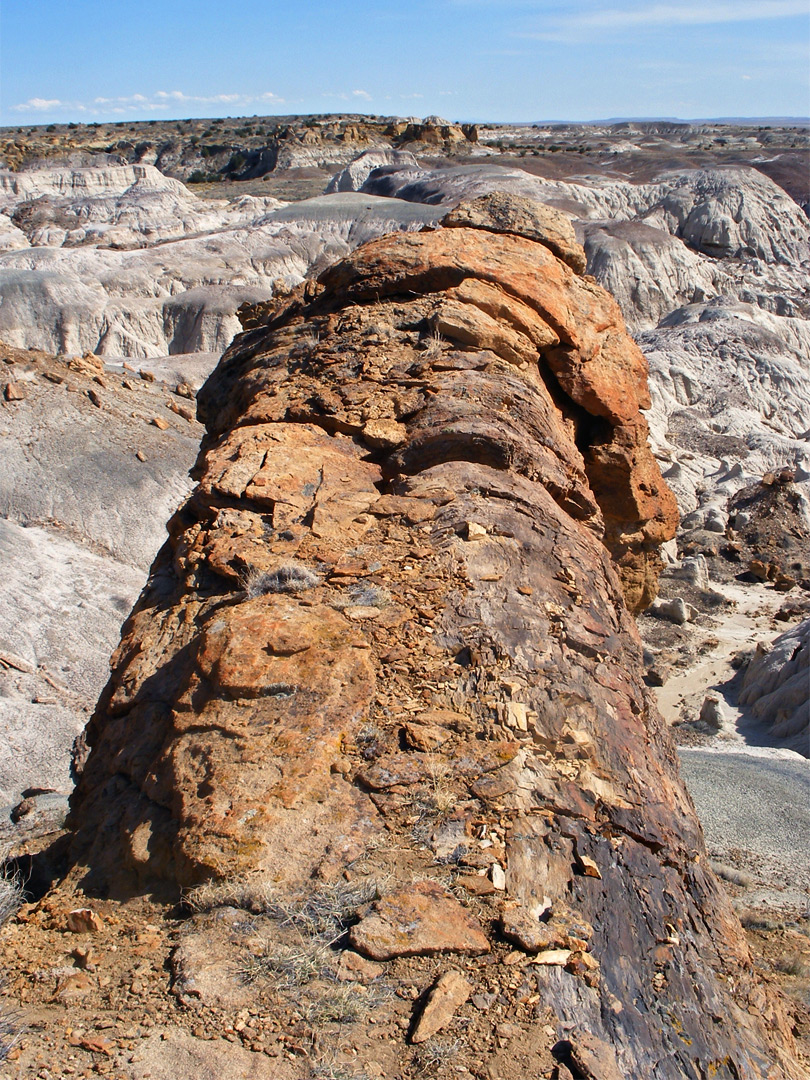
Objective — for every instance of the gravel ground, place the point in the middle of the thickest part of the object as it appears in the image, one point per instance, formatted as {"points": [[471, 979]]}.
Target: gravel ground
{"points": [[755, 810]]}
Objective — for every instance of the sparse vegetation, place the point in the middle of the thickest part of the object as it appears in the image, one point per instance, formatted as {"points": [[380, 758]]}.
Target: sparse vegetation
{"points": [[756, 920], [794, 964], [289, 966], [333, 1070], [434, 1054], [433, 344], [320, 916], [291, 577], [732, 875], [11, 898]]}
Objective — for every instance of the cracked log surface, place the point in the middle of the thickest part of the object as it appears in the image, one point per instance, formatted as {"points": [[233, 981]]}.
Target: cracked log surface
{"points": [[425, 502]]}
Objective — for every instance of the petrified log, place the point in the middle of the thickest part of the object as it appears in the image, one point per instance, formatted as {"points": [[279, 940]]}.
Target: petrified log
{"points": [[425, 503]]}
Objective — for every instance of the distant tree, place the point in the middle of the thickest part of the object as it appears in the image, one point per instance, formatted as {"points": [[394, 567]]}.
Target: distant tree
{"points": [[236, 162]]}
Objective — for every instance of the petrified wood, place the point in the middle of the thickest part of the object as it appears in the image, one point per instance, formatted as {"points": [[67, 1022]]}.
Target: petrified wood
{"points": [[425, 508]]}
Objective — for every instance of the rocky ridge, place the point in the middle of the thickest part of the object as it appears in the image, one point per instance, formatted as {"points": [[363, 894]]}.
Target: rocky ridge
{"points": [[386, 644]]}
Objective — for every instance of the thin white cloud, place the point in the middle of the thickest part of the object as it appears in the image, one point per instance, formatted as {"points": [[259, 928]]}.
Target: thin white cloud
{"points": [[38, 104], [692, 14], [362, 94], [599, 20], [140, 103]]}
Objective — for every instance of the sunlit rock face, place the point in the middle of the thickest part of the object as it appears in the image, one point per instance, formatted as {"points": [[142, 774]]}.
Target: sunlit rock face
{"points": [[425, 507]]}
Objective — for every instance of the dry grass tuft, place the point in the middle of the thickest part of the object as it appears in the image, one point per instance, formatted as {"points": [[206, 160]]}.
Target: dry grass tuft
{"points": [[434, 1054], [433, 344], [251, 893], [731, 874], [793, 964], [288, 966], [12, 896], [292, 577], [321, 916]]}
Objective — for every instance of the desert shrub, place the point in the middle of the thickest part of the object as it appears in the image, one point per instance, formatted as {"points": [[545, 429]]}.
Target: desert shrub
{"points": [[236, 163], [756, 920], [433, 344], [731, 874], [320, 917], [434, 1054], [793, 964]]}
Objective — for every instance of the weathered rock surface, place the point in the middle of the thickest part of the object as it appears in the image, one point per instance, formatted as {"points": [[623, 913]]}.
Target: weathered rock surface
{"points": [[776, 685], [358, 171], [449, 992], [722, 212], [462, 570], [81, 518], [501, 212], [422, 920]]}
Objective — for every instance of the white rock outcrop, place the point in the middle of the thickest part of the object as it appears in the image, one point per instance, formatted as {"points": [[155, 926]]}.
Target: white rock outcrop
{"points": [[125, 262], [776, 686]]}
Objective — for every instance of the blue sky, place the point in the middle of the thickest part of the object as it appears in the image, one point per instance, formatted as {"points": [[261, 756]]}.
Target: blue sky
{"points": [[505, 60]]}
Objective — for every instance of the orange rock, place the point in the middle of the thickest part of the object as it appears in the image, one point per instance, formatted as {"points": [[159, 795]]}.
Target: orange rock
{"points": [[420, 921]]}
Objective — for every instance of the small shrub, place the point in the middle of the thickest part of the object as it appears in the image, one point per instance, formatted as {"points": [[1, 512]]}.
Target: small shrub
{"points": [[730, 873], [236, 163], [338, 1004], [325, 914], [250, 893], [433, 345], [288, 966], [434, 1054], [292, 577], [11, 898], [755, 920], [321, 916], [795, 964]]}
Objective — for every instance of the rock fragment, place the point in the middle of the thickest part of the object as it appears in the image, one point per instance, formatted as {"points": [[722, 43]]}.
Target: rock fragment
{"points": [[13, 391], [450, 991], [422, 920], [84, 921], [500, 211]]}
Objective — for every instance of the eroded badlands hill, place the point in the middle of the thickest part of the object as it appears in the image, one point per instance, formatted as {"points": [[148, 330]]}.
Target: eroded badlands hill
{"points": [[383, 688]]}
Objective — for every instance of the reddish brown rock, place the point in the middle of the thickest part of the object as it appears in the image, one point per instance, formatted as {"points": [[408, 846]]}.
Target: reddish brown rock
{"points": [[392, 622], [502, 212], [13, 391], [450, 991], [422, 920]]}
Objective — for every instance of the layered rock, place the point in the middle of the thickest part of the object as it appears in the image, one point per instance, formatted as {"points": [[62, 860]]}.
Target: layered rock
{"points": [[776, 685], [387, 631]]}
